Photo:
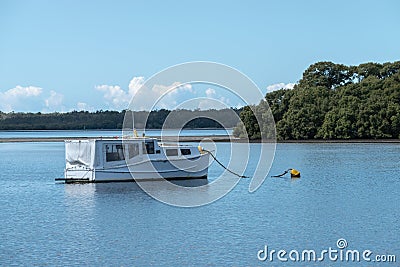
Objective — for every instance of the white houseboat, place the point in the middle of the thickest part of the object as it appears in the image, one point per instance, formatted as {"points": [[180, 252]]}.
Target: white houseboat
{"points": [[136, 158]]}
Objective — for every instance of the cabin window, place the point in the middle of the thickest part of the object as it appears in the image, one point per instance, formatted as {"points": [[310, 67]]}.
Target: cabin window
{"points": [[148, 147], [114, 153], [133, 150], [171, 152], [185, 151]]}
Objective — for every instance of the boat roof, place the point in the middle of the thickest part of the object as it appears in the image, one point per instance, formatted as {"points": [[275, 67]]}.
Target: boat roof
{"points": [[111, 139]]}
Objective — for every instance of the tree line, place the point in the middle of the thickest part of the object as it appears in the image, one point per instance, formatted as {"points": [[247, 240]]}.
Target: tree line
{"points": [[331, 101], [78, 120]]}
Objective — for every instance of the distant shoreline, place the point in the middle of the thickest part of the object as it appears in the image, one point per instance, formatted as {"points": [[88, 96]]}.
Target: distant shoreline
{"points": [[342, 141], [214, 138]]}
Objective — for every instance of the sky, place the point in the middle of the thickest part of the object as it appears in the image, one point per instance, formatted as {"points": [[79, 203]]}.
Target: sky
{"points": [[92, 55]]}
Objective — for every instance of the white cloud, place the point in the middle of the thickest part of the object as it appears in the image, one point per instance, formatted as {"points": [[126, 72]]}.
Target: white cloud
{"points": [[20, 91], [174, 88], [225, 100], [187, 87], [114, 95], [212, 104], [118, 98], [210, 92], [82, 106], [164, 96], [277, 86], [135, 84], [172, 96], [19, 98], [54, 101], [213, 100]]}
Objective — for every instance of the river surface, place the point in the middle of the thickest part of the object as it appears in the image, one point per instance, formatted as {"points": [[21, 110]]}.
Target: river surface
{"points": [[346, 191]]}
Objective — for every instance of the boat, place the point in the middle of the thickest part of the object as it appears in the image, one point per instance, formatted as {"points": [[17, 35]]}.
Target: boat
{"points": [[132, 159]]}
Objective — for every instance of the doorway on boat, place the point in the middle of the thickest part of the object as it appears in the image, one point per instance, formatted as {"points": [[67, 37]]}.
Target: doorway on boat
{"points": [[148, 147]]}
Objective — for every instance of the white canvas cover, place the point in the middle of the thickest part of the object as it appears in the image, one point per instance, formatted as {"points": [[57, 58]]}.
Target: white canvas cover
{"points": [[80, 153]]}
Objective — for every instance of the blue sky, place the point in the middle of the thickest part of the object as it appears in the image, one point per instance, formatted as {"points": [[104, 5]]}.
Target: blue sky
{"points": [[65, 55]]}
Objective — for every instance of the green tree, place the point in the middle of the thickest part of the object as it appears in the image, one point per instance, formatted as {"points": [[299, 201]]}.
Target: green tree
{"points": [[306, 113], [333, 101], [326, 74], [249, 128]]}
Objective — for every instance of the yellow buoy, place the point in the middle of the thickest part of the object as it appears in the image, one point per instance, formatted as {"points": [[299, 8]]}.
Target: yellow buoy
{"points": [[294, 173]]}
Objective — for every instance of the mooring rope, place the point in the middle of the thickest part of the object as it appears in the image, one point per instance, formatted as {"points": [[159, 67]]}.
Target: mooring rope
{"points": [[223, 166], [280, 175], [293, 173]]}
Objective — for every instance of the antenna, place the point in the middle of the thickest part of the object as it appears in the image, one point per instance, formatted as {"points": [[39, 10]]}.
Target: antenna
{"points": [[128, 128]]}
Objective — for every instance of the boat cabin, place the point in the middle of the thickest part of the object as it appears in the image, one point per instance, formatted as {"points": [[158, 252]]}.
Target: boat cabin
{"points": [[86, 159]]}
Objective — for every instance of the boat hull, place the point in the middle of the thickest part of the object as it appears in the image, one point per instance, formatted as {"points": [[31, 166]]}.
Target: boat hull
{"points": [[196, 168]]}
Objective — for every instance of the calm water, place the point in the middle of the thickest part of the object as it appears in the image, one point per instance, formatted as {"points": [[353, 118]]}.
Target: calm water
{"points": [[346, 191]]}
